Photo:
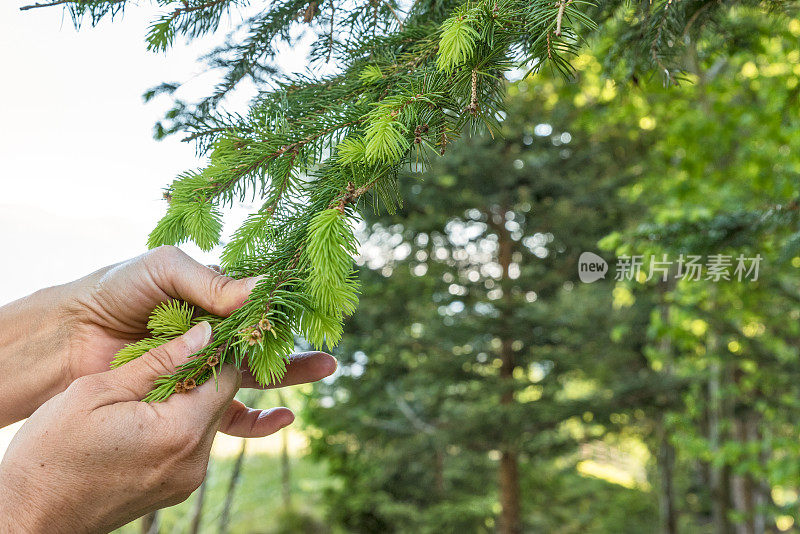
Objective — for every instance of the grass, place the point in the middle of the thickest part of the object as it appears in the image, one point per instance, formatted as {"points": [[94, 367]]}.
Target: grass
{"points": [[257, 505]]}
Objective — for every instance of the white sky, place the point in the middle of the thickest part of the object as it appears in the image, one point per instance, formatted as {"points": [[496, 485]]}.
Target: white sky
{"points": [[80, 174]]}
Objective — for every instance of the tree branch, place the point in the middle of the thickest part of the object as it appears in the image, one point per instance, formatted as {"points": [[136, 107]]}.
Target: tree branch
{"points": [[409, 413], [51, 4], [394, 13]]}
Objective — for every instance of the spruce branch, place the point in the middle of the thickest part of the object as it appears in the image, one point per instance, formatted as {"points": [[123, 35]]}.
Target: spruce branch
{"points": [[654, 45], [311, 147]]}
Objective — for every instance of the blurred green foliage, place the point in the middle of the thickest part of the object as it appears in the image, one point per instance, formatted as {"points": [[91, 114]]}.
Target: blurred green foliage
{"points": [[477, 347]]}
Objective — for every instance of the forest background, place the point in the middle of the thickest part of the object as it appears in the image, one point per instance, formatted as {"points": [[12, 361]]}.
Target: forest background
{"points": [[482, 386]]}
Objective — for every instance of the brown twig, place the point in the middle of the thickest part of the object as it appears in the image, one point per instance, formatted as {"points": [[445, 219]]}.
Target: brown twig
{"points": [[187, 9], [351, 194], [562, 5], [693, 19], [394, 13], [330, 35], [51, 4], [291, 147], [195, 135], [473, 106]]}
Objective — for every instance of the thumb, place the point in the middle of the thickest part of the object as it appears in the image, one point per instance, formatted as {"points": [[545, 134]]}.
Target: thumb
{"points": [[181, 277], [134, 380]]}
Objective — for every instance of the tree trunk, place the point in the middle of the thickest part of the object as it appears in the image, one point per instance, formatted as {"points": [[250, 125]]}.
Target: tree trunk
{"points": [[224, 518], [510, 522], [149, 523], [719, 476], [666, 452], [197, 513], [750, 494], [666, 493], [286, 466], [762, 493], [438, 473], [741, 486], [511, 513]]}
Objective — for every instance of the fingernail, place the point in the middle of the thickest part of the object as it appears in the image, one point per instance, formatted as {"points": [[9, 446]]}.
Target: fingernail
{"points": [[198, 336], [253, 282], [289, 422]]}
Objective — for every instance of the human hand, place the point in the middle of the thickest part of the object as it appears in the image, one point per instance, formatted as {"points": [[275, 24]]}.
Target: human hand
{"points": [[59, 334], [95, 457]]}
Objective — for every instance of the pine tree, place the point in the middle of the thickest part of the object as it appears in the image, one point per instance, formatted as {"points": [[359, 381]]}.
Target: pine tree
{"points": [[317, 149], [458, 374]]}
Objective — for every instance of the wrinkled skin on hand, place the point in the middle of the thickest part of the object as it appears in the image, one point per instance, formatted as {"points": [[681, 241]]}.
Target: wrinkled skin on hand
{"points": [[92, 456]]}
